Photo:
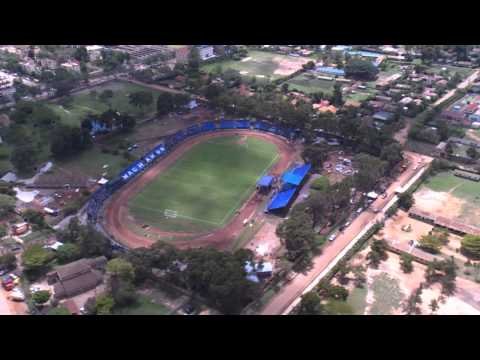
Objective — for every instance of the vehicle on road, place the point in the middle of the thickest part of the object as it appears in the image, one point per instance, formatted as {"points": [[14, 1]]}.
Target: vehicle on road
{"points": [[359, 210], [333, 236]]}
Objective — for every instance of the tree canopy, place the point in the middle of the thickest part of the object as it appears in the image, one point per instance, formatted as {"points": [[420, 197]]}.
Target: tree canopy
{"points": [[361, 69], [471, 246]]}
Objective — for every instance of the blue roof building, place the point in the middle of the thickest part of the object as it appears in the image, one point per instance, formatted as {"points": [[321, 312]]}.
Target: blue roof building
{"points": [[330, 70]]}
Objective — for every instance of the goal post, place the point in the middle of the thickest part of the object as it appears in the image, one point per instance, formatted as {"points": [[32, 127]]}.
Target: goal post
{"points": [[170, 213]]}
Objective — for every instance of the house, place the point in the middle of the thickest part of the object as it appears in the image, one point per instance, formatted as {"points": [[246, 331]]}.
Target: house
{"points": [[30, 67], [353, 103], [77, 277], [376, 104], [20, 229], [71, 65], [181, 54], [406, 100], [94, 52], [324, 106], [383, 116], [206, 52], [9, 177], [259, 271], [48, 63]]}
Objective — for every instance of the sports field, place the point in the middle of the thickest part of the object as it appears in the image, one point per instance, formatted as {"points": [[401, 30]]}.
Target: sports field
{"points": [[88, 102], [261, 64], [206, 186], [310, 84], [450, 196]]}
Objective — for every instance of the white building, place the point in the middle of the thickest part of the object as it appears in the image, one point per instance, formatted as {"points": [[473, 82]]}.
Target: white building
{"points": [[206, 52], [71, 66], [6, 80], [94, 52]]}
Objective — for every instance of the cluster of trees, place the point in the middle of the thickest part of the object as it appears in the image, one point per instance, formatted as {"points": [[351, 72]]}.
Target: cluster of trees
{"points": [[361, 69], [218, 277], [326, 299], [82, 241], [110, 120], [67, 141], [377, 253], [7, 205], [444, 272], [434, 240], [471, 246], [141, 99], [113, 60], [168, 102]]}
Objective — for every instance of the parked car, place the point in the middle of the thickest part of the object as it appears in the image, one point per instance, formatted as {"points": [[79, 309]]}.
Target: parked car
{"points": [[189, 309], [359, 210], [333, 236]]}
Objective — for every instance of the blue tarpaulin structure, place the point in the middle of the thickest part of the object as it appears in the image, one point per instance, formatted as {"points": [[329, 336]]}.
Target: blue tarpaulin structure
{"points": [[296, 176], [265, 181], [330, 70], [281, 199]]}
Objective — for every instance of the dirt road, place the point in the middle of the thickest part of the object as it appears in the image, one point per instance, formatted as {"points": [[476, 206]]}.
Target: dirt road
{"points": [[291, 292], [462, 85]]}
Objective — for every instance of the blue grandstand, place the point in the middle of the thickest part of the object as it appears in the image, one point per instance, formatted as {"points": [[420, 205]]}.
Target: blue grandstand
{"points": [[330, 70], [292, 181]]}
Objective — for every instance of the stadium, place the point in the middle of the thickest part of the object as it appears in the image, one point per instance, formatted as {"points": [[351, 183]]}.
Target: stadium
{"points": [[200, 185]]}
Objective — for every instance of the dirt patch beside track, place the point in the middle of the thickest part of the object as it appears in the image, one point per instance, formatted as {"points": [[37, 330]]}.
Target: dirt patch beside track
{"points": [[116, 218]]}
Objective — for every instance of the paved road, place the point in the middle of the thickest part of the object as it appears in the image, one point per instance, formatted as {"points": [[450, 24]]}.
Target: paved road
{"points": [[289, 294]]}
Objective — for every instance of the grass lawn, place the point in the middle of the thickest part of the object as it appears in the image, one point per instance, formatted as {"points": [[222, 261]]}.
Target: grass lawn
{"points": [[144, 306], [446, 181], [310, 85], [464, 72], [387, 293], [357, 299], [260, 64], [206, 185], [84, 103]]}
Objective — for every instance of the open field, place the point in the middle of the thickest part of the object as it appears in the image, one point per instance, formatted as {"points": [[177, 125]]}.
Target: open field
{"points": [[450, 196], [205, 187], [84, 103], [308, 84], [144, 306], [388, 287], [260, 64], [464, 72]]}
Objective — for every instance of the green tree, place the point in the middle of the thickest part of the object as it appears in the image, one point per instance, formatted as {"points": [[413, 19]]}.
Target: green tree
{"points": [[471, 246], [370, 170], [311, 304], [297, 232], [411, 304], [8, 261], [321, 184], [392, 154], [433, 242], [7, 205], [361, 69], [121, 268], [472, 152], [165, 103], [378, 253], [106, 95], [433, 305], [35, 259], [41, 297], [193, 60], [24, 157], [141, 99], [337, 97], [406, 263], [104, 304], [406, 200], [35, 217], [80, 54], [68, 252]]}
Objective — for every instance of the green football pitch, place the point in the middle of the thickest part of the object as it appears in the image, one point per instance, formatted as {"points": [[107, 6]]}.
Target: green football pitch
{"points": [[204, 188]]}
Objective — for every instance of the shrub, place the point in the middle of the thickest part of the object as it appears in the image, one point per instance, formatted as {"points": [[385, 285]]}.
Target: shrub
{"points": [[41, 297], [321, 184]]}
